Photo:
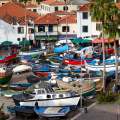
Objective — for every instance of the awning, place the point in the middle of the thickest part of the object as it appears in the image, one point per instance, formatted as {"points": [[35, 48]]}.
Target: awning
{"points": [[76, 40], [6, 43], [50, 38], [100, 40], [81, 40], [24, 43]]}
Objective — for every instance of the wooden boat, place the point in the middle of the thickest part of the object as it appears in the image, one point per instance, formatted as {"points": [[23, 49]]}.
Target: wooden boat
{"points": [[73, 62], [51, 111], [8, 58], [5, 74], [47, 97], [22, 68], [61, 48], [19, 86], [25, 111], [108, 67], [33, 79], [41, 74]]}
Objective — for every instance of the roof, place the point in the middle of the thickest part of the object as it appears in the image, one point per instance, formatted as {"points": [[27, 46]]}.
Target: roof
{"points": [[12, 12], [63, 13], [84, 7], [47, 19], [31, 5], [70, 19], [53, 2]]}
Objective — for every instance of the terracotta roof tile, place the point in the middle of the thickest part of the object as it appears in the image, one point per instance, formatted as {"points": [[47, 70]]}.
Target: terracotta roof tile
{"points": [[71, 19], [53, 2], [16, 13], [31, 6], [85, 7], [47, 19], [63, 13]]}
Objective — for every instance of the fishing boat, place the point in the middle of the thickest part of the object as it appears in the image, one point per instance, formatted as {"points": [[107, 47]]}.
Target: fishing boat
{"points": [[61, 48], [25, 57], [51, 111], [19, 86], [5, 74], [73, 62], [100, 67], [46, 96], [7, 59], [21, 68], [33, 79]]}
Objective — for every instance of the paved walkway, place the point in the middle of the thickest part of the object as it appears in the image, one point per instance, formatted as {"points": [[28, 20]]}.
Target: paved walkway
{"points": [[100, 112]]}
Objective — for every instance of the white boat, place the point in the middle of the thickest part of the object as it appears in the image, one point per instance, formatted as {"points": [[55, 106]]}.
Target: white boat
{"points": [[108, 68], [38, 52], [22, 68], [51, 111], [47, 97]]}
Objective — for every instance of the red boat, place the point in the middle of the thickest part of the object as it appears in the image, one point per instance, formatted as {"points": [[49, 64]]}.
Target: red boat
{"points": [[74, 62], [8, 58], [41, 74]]}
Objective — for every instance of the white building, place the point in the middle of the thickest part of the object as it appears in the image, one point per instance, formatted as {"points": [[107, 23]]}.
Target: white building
{"points": [[67, 27], [86, 27], [14, 26]]}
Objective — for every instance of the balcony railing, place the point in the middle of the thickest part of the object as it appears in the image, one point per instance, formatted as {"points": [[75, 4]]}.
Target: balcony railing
{"points": [[46, 33]]}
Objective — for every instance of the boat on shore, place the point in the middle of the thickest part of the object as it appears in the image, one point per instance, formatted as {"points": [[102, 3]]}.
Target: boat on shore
{"points": [[45, 95], [51, 111], [5, 74]]}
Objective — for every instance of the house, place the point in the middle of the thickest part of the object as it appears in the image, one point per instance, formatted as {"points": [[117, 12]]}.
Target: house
{"points": [[67, 27], [32, 7], [2, 2], [46, 29], [86, 27], [19, 19], [49, 6]]}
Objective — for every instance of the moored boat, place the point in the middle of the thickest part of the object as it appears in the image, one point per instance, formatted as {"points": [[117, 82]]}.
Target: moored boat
{"points": [[47, 97], [51, 111], [5, 74]]}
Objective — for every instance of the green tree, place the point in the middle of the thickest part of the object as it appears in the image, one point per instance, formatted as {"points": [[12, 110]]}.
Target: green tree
{"points": [[106, 12], [98, 13], [112, 29]]}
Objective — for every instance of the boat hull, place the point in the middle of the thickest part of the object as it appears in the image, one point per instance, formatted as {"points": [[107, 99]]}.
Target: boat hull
{"points": [[72, 101], [5, 79], [51, 111]]}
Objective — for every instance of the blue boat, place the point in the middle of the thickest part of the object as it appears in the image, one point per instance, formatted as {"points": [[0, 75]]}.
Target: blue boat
{"points": [[61, 48], [52, 111]]}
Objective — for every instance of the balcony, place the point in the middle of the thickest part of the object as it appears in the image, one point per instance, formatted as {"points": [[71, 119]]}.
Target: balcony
{"points": [[46, 33]]}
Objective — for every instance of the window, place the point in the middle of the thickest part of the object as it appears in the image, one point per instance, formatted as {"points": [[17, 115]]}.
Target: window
{"points": [[85, 15], [18, 39], [56, 8], [48, 96], [65, 29], [20, 30], [85, 28], [98, 27], [41, 28], [65, 8], [30, 30], [50, 28], [61, 96], [34, 10]]}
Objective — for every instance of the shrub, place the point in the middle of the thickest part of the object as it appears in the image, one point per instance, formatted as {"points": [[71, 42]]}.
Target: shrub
{"points": [[106, 97]]}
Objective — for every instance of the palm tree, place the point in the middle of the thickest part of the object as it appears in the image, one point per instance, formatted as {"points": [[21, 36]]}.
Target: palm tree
{"points": [[107, 13], [97, 11], [111, 28]]}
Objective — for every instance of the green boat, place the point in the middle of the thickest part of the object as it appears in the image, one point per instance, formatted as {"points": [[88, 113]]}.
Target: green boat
{"points": [[5, 74]]}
